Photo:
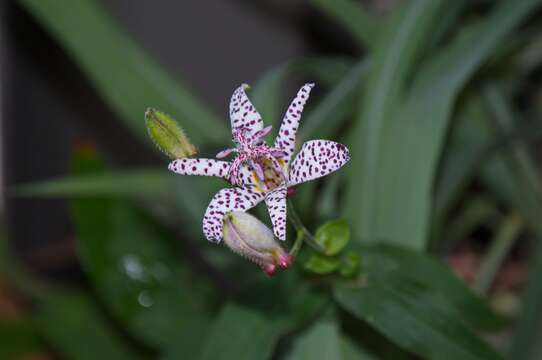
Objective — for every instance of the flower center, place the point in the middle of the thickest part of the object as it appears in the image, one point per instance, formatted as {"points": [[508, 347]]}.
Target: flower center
{"points": [[253, 152]]}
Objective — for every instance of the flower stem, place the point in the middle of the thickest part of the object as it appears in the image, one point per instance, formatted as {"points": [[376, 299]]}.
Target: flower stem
{"points": [[298, 243], [298, 225]]}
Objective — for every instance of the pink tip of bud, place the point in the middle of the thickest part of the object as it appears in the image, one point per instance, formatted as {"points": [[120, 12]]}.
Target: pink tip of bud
{"points": [[285, 260], [269, 269]]}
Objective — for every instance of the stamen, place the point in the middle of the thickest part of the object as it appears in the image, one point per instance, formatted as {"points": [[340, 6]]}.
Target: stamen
{"points": [[253, 150], [259, 170], [224, 153], [257, 137]]}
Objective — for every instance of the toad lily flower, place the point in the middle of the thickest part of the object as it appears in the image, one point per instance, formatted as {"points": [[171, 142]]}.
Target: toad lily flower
{"points": [[259, 172]]}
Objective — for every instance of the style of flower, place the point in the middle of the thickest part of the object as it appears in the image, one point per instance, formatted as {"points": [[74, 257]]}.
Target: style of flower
{"points": [[259, 172]]}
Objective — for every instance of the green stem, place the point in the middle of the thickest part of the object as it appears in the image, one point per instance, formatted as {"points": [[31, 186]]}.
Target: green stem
{"points": [[298, 225], [298, 243]]}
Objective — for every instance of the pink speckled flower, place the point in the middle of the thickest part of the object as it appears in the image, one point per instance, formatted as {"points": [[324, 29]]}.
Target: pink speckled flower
{"points": [[260, 172]]}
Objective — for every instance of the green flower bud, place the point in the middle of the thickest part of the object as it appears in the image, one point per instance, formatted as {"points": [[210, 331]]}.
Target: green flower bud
{"points": [[249, 237], [168, 136]]}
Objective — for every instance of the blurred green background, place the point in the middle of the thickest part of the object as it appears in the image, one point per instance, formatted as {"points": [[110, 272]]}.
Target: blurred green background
{"points": [[101, 250]]}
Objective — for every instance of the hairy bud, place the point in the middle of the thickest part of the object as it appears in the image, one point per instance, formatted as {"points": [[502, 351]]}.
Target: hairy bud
{"points": [[168, 136], [249, 237]]}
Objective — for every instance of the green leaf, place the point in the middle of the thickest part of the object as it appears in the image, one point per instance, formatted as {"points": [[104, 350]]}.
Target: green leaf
{"points": [[329, 70], [422, 268], [192, 195], [404, 291], [128, 79], [319, 264], [333, 236], [338, 72], [523, 180], [18, 338], [75, 327], [432, 331], [350, 264], [327, 118], [241, 333], [136, 183], [266, 93], [395, 55], [132, 264], [337, 104], [351, 350], [526, 339], [513, 175], [478, 210], [168, 136], [501, 245], [463, 154], [321, 341], [405, 143], [353, 17], [133, 267]]}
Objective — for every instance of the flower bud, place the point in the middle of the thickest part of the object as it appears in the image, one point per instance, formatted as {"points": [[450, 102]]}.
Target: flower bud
{"points": [[249, 237], [168, 136]]}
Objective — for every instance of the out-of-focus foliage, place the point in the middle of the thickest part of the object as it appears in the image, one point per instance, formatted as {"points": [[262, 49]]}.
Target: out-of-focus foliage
{"points": [[428, 110]]}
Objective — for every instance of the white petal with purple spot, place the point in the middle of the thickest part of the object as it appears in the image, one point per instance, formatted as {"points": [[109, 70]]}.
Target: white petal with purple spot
{"points": [[288, 129], [203, 167], [276, 205], [317, 158], [242, 113], [224, 201]]}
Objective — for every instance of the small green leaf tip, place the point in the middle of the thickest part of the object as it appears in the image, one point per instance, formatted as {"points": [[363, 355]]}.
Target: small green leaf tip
{"points": [[168, 136], [322, 265], [333, 236]]}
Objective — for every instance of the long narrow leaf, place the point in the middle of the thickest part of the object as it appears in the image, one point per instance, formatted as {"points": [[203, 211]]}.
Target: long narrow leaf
{"points": [[527, 330], [517, 182], [327, 117], [139, 183], [322, 341], [241, 333], [353, 17], [418, 304], [132, 265], [410, 147], [75, 327], [393, 62]]}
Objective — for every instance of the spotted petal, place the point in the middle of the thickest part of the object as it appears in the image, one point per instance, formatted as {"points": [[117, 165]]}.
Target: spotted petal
{"points": [[224, 201], [286, 137], [203, 167], [243, 113], [247, 176], [276, 205], [317, 158]]}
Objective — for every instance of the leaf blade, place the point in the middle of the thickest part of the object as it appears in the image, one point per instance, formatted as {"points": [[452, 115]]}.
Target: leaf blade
{"points": [[128, 80]]}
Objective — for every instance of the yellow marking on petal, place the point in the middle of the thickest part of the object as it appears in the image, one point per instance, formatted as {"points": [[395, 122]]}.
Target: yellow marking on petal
{"points": [[257, 182]]}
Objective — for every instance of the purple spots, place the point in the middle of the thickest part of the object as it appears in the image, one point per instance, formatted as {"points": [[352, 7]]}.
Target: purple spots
{"points": [[315, 159]]}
